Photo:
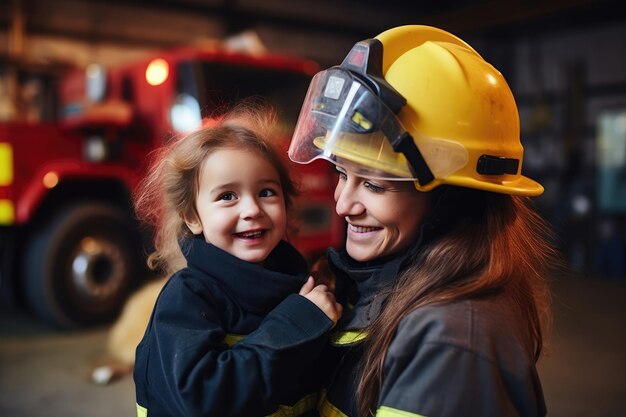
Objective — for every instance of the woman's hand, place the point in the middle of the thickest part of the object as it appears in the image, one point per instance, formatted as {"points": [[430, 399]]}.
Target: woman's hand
{"points": [[323, 298]]}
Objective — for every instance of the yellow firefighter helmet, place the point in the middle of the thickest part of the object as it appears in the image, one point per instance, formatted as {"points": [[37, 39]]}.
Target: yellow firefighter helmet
{"points": [[416, 103]]}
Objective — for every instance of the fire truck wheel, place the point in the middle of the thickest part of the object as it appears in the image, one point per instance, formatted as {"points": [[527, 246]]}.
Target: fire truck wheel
{"points": [[79, 267]]}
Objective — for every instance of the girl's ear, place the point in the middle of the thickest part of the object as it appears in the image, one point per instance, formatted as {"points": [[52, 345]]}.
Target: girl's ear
{"points": [[194, 225]]}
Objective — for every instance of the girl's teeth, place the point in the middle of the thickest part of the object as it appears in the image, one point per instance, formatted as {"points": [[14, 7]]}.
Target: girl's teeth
{"points": [[251, 234]]}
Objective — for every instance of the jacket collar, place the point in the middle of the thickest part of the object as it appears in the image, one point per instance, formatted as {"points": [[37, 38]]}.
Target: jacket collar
{"points": [[256, 288], [366, 285]]}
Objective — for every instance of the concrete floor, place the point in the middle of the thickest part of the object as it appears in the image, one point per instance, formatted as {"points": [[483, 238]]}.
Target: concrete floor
{"points": [[584, 373], [44, 373]]}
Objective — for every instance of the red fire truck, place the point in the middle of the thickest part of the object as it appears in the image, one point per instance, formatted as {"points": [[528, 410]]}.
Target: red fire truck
{"points": [[70, 246]]}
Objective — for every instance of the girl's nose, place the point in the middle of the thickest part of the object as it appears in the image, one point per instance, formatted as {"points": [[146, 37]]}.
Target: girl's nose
{"points": [[251, 208]]}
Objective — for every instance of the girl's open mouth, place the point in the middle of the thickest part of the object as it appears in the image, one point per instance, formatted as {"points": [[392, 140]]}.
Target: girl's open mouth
{"points": [[250, 235]]}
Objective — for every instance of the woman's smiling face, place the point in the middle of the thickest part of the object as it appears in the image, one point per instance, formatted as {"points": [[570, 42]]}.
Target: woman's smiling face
{"points": [[384, 217]]}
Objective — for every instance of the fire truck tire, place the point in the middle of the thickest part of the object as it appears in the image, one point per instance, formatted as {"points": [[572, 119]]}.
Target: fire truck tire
{"points": [[79, 267]]}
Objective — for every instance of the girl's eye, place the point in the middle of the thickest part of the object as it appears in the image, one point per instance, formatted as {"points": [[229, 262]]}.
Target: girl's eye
{"points": [[227, 196], [342, 175], [374, 188], [268, 192]]}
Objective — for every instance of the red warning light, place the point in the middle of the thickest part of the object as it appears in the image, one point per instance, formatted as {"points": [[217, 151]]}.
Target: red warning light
{"points": [[357, 58]]}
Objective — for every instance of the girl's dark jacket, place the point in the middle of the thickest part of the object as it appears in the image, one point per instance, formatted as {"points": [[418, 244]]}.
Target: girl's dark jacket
{"points": [[231, 338]]}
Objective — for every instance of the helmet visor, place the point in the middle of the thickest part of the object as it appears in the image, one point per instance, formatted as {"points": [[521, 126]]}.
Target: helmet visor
{"points": [[342, 118]]}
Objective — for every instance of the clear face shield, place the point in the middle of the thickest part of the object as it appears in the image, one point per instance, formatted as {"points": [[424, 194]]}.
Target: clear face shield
{"points": [[341, 118]]}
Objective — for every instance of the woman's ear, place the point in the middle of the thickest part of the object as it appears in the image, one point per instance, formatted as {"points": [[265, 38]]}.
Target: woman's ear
{"points": [[194, 225]]}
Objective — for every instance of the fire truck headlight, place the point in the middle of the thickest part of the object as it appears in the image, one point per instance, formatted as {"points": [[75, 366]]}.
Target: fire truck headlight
{"points": [[185, 114], [94, 149]]}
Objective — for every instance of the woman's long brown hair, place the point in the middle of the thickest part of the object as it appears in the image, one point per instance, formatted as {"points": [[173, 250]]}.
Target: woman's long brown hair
{"points": [[499, 242]]}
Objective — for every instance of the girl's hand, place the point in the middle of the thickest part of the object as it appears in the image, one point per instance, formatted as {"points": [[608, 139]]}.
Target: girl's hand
{"points": [[323, 298]]}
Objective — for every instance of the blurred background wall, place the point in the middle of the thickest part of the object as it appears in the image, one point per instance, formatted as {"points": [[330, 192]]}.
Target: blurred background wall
{"points": [[565, 62]]}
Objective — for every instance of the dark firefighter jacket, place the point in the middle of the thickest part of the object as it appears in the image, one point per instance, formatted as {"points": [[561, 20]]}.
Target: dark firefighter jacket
{"points": [[467, 358], [230, 338]]}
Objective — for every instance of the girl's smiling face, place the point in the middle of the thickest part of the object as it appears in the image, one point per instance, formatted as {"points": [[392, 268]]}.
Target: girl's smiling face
{"points": [[384, 217], [240, 204]]}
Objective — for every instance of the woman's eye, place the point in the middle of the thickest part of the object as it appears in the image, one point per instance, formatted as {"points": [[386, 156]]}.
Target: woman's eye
{"points": [[268, 192], [374, 188], [227, 196], [342, 175]]}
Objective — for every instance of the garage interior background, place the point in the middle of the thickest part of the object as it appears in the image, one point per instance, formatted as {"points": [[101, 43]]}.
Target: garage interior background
{"points": [[565, 62]]}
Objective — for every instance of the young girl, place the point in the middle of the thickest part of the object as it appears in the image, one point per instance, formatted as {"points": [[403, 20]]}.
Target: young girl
{"points": [[229, 334]]}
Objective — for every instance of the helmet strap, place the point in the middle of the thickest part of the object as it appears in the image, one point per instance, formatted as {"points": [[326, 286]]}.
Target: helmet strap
{"points": [[405, 144]]}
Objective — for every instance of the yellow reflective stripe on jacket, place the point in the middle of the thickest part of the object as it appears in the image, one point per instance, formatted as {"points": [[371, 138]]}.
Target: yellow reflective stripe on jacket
{"points": [[231, 339], [141, 412], [392, 412], [304, 405], [326, 409], [348, 337]]}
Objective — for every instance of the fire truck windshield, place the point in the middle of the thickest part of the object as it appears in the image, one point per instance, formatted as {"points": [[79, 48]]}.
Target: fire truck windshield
{"points": [[212, 87]]}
